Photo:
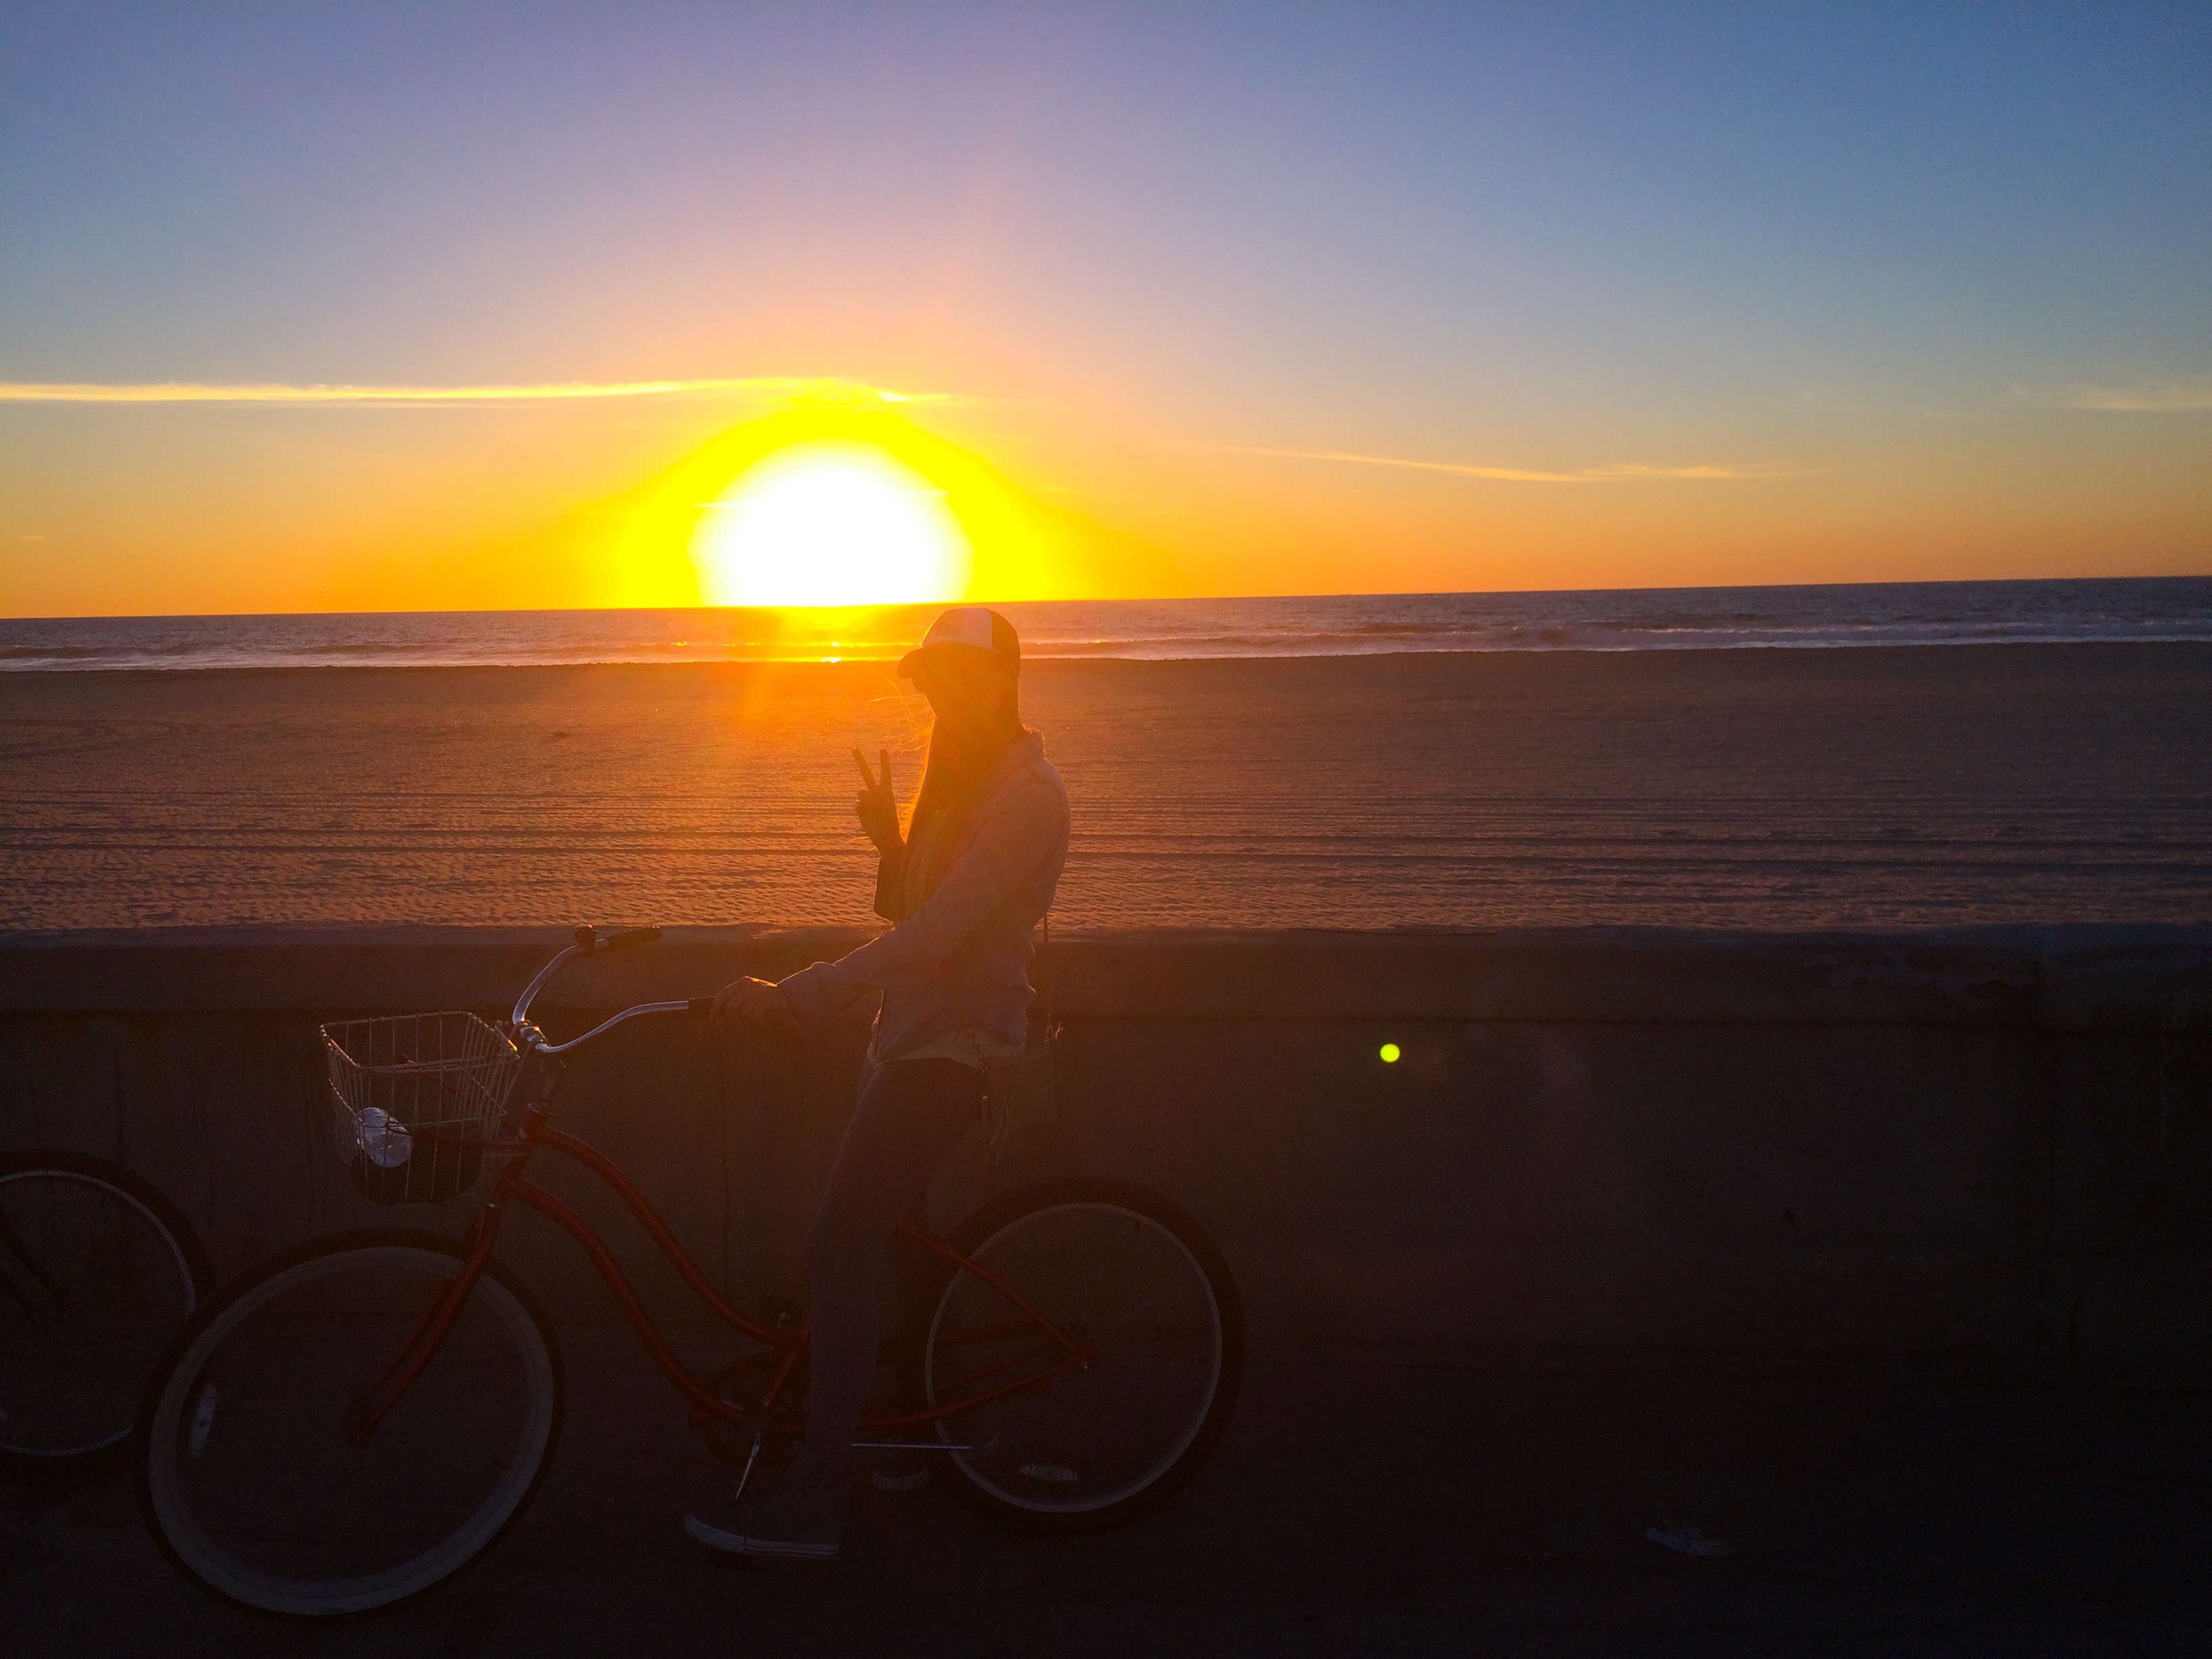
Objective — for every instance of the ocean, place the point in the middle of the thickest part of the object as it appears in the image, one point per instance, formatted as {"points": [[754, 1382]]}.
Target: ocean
{"points": [[2178, 608]]}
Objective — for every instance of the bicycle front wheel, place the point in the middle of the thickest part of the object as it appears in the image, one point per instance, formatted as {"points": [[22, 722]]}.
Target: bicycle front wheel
{"points": [[248, 1478], [1136, 1282], [97, 1271]]}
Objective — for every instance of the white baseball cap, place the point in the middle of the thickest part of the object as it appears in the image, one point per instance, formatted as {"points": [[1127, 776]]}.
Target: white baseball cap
{"points": [[973, 626]]}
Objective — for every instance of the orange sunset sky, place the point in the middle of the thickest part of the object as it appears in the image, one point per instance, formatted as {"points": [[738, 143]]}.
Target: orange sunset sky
{"points": [[380, 309]]}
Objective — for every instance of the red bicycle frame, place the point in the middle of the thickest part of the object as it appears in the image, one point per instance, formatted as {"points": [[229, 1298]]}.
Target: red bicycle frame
{"points": [[1059, 1352]]}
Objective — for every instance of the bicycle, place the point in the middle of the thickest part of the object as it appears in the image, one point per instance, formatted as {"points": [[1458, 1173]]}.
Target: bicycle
{"points": [[361, 1418], [97, 1270]]}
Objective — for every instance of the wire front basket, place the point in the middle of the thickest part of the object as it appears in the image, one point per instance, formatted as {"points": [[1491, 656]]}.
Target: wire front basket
{"points": [[394, 1077]]}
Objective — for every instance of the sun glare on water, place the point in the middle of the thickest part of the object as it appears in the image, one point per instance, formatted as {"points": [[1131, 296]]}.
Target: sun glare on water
{"points": [[830, 524]]}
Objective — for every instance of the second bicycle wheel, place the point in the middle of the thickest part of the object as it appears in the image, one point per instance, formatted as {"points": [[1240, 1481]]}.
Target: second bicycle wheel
{"points": [[97, 1271], [247, 1476], [1125, 1272]]}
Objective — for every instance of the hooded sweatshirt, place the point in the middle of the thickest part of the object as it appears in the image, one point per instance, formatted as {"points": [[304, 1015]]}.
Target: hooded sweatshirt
{"points": [[960, 960]]}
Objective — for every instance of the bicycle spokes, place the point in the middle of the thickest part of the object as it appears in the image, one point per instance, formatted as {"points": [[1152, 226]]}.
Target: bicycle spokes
{"points": [[267, 1471], [91, 1290], [1068, 1428]]}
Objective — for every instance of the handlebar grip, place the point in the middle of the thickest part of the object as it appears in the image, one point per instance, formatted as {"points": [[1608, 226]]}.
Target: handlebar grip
{"points": [[701, 1006], [630, 936]]}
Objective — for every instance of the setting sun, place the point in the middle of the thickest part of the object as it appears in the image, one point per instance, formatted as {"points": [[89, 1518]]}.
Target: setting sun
{"points": [[830, 522]]}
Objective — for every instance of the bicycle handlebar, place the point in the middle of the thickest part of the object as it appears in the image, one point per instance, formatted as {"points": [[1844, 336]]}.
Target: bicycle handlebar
{"points": [[587, 941], [694, 1006], [521, 1015]]}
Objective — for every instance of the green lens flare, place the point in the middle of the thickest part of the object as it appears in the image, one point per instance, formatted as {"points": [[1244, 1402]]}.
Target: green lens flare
{"points": [[1390, 1053]]}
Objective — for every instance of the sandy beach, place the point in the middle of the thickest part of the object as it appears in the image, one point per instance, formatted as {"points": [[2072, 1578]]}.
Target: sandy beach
{"points": [[1760, 789]]}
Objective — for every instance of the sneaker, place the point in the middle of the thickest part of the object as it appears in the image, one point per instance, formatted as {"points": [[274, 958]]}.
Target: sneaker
{"points": [[799, 1516], [898, 1470]]}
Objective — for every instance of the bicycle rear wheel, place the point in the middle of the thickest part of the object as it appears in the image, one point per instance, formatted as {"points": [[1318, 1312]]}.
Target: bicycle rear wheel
{"points": [[97, 1270], [1134, 1277], [247, 1477]]}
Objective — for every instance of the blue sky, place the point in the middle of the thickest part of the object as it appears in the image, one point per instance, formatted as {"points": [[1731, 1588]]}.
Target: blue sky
{"points": [[1800, 238]]}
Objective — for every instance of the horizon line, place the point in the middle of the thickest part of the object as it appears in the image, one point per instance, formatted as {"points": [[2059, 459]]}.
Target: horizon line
{"points": [[1170, 599]]}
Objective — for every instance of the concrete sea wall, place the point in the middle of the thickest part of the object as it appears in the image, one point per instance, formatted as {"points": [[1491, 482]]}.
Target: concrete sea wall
{"points": [[1995, 1142]]}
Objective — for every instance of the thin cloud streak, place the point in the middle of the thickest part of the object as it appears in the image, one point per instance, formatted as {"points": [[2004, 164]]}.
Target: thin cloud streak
{"points": [[823, 390], [1626, 472], [2170, 398]]}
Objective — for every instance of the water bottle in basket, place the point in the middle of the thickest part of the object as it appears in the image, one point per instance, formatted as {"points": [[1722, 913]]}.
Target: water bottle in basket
{"points": [[410, 1092]]}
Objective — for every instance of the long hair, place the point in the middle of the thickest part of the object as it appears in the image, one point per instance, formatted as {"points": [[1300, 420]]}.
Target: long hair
{"points": [[953, 772]]}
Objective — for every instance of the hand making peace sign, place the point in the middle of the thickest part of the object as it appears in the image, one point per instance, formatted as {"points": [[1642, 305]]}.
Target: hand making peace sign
{"points": [[878, 806]]}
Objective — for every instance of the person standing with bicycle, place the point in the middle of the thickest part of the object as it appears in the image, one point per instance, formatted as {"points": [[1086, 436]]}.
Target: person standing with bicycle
{"points": [[964, 888], [355, 1419]]}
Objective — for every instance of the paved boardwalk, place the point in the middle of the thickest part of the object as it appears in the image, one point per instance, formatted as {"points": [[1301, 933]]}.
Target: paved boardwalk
{"points": [[1399, 1507]]}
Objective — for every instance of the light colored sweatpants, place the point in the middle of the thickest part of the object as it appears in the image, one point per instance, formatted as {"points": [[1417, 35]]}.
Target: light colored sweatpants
{"points": [[911, 1113]]}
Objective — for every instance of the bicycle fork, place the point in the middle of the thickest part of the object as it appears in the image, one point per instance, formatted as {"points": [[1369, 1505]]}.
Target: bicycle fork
{"points": [[368, 1408], [372, 1405]]}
